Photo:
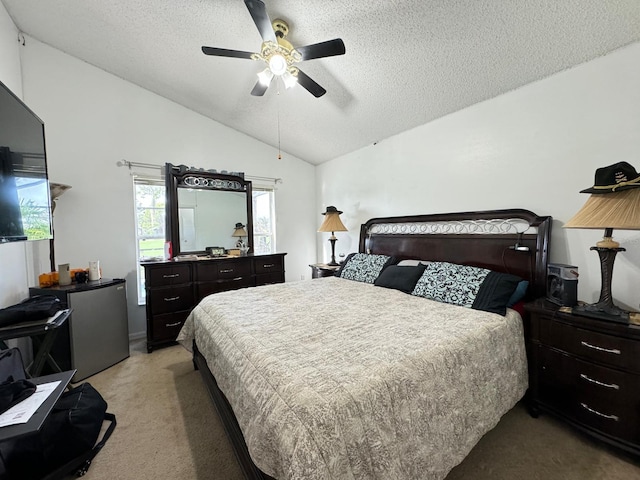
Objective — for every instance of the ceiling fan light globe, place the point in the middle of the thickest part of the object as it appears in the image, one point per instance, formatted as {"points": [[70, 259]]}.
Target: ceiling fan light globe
{"points": [[289, 80], [265, 77], [277, 64]]}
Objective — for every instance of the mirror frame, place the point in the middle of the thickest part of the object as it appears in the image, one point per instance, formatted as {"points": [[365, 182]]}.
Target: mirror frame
{"points": [[181, 176]]}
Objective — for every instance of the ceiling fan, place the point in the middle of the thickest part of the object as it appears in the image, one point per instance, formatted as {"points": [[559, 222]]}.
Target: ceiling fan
{"points": [[278, 54]]}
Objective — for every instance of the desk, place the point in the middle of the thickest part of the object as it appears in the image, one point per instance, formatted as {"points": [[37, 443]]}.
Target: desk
{"points": [[35, 422], [42, 346]]}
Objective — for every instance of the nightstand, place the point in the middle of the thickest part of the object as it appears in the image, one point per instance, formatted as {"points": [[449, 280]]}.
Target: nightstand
{"points": [[586, 372], [319, 270]]}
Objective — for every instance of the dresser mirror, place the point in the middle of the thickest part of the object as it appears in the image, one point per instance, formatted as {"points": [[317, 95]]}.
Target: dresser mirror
{"points": [[203, 208]]}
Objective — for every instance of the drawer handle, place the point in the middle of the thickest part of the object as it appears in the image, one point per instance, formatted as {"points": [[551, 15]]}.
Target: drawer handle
{"points": [[228, 270], [269, 265], [601, 349], [604, 415], [236, 279], [172, 324], [173, 275], [172, 299], [602, 384]]}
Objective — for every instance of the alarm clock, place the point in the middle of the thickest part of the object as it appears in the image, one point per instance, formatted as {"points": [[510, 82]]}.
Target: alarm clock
{"points": [[216, 251], [562, 284]]}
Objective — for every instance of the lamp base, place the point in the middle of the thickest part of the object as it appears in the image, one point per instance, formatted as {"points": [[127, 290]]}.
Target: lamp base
{"points": [[602, 311], [332, 240]]}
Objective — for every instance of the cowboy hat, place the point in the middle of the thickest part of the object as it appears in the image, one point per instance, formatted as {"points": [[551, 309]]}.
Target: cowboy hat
{"points": [[614, 178], [332, 209]]}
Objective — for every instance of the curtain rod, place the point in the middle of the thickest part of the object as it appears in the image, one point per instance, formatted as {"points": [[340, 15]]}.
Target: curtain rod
{"points": [[127, 163]]}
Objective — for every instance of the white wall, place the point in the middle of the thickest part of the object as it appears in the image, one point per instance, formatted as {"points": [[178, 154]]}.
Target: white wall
{"points": [[94, 119], [534, 148]]}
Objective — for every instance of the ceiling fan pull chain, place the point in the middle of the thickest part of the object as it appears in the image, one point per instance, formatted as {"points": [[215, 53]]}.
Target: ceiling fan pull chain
{"points": [[278, 114]]}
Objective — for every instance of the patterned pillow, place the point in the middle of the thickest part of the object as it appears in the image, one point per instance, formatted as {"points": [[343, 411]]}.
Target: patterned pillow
{"points": [[466, 286], [364, 267]]}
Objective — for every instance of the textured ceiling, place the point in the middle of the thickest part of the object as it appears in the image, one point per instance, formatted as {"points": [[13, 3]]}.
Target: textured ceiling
{"points": [[406, 63]]}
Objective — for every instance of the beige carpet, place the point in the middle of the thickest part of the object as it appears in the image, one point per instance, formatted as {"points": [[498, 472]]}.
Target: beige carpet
{"points": [[168, 429]]}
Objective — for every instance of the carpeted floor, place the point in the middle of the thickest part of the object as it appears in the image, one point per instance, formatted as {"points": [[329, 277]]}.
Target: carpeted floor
{"points": [[168, 429]]}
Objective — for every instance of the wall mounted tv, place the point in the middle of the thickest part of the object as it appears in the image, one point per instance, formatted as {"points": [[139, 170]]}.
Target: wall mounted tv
{"points": [[25, 204]]}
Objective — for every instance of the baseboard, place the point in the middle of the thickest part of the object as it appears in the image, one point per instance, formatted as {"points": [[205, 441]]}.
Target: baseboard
{"points": [[137, 336]]}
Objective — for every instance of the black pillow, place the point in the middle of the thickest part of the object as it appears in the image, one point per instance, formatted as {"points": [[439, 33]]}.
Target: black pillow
{"points": [[403, 278], [495, 292]]}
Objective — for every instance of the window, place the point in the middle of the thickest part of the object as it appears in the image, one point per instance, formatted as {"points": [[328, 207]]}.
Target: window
{"points": [[264, 240], [150, 224]]}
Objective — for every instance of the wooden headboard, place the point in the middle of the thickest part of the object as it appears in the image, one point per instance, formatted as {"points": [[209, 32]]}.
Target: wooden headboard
{"points": [[484, 239]]}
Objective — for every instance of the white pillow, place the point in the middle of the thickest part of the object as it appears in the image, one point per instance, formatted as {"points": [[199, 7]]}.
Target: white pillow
{"points": [[412, 263]]}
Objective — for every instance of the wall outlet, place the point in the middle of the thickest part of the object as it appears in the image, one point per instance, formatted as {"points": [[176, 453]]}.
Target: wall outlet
{"points": [[301, 277]]}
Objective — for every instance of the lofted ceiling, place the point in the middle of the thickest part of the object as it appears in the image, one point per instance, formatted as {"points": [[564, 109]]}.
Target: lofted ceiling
{"points": [[407, 62]]}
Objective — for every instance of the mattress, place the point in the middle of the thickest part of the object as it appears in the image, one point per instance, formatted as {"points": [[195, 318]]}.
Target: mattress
{"points": [[333, 378]]}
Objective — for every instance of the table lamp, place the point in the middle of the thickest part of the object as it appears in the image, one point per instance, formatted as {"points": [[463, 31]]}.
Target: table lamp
{"points": [[239, 232], [332, 223], [615, 203]]}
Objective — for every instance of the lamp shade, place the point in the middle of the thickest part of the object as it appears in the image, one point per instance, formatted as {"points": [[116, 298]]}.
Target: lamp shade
{"points": [[332, 222], [620, 210], [57, 189], [239, 231]]}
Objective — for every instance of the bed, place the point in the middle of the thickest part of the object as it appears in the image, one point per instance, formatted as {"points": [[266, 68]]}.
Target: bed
{"points": [[363, 377]]}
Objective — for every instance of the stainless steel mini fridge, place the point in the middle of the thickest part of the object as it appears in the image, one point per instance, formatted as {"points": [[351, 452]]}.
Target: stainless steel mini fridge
{"points": [[96, 336]]}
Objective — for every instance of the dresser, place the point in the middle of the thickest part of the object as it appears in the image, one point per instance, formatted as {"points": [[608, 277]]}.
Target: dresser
{"points": [[173, 288], [585, 371]]}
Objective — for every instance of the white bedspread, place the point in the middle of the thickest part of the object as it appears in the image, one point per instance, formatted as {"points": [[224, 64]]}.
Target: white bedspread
{"points": [[337, 379]]}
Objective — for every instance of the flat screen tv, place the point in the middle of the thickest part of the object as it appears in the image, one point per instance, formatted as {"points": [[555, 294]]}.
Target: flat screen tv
{"points": [[25, 201]]}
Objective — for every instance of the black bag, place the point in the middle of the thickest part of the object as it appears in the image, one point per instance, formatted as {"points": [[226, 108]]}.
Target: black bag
{"points": [[14, 386], [30, 309], [66, 444]]}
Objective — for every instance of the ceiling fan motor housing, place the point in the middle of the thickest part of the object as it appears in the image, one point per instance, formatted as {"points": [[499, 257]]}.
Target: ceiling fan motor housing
{"points": [[281, 29]]}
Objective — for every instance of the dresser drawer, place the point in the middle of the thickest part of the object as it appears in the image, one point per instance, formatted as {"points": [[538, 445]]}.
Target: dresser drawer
{"points": [[223, 270], [167, 326], [595, 346], [167, 300], [168, 275], [208, 288], [268, 265], [268, 278]]}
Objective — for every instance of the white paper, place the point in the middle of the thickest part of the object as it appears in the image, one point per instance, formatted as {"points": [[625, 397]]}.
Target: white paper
{"points": [[23, 411]]}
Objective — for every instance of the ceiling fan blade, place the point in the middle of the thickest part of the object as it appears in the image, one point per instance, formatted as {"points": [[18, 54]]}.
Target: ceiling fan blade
{"points": [[313, 88], [223, 52], [259, 88], [260, 17], [330, 48]]}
